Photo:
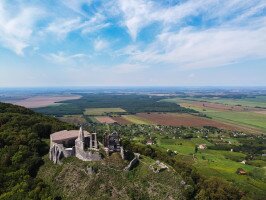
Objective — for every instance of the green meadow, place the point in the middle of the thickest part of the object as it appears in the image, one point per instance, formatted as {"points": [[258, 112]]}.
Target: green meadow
{"points": [[255, 120], [257, 101]]}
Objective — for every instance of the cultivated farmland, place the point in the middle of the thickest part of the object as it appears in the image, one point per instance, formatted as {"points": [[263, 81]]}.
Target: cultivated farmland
{"points": [[105, 120], [174, 119], [43, 101], [251, 119], [136, 119], [121, 120]]}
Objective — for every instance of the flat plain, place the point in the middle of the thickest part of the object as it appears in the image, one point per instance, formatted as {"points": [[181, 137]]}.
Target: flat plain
{"points": [[43, 101], [245, 116], [182, 119]]}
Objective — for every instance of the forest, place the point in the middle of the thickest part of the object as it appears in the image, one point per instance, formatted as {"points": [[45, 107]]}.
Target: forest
{"points": [[22, 145], [132, 103]]}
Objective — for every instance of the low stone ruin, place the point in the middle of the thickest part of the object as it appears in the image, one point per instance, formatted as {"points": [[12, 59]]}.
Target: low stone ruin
{"points": [[112, 144], [158, 167]]}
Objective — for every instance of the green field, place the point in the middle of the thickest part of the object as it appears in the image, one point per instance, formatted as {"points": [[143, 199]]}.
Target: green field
{"points": [[102, 111], [248, 119], [136, 120], [257, 101], [251, 119], [182, 146]]}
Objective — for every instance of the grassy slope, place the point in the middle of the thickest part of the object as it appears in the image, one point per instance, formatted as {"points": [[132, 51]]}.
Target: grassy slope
{"points": [[218, 163], [110, 181]]}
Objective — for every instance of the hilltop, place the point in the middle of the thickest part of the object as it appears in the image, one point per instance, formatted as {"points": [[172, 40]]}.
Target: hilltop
{"points": [[27, 173]]}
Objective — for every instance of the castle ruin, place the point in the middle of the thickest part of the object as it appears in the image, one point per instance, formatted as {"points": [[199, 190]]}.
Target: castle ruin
{"points": [[82, 144]]}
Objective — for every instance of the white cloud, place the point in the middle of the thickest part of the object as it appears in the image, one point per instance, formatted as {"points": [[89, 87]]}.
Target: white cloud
{"points": [[237, 32], [17, 26], [62, 58], [100, 44], [138, 14], [76, 5], [61, 27], [191, 48]]}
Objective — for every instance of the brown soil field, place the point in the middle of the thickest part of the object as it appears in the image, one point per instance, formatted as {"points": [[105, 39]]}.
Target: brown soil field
{"points": [[105, 120], [261, 112], [121, 120], [171, 119], [43, 101]]}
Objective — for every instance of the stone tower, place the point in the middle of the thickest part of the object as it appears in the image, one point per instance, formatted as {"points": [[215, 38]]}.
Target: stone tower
{"points": [[79, 143], [81, 134]]}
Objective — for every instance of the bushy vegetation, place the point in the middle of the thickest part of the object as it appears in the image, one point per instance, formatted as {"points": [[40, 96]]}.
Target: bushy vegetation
{"points": [[109, 181], [197, 186], [21, 148], [177, 146]]}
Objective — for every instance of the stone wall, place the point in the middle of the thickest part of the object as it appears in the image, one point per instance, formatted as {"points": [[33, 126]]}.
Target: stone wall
{"points": [[133, 162], [57, 152]]}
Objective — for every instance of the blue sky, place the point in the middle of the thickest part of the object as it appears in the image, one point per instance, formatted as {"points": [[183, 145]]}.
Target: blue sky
{"points": [[132, 43]]}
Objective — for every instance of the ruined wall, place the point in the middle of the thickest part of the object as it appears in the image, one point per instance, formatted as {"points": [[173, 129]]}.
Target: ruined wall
{"points": [[133, 162], [90, 155], [57, 152]]}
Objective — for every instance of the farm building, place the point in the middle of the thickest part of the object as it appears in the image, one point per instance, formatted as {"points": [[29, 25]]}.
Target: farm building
{"points": [[149, 142], [241, 171], [202, 146]]}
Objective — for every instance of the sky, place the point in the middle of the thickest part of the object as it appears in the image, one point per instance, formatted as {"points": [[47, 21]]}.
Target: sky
{"points": [[132, 43]]}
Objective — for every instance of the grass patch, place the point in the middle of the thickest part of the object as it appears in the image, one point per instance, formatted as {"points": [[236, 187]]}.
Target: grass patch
{"points": [[136, 120], [102, 111]]}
